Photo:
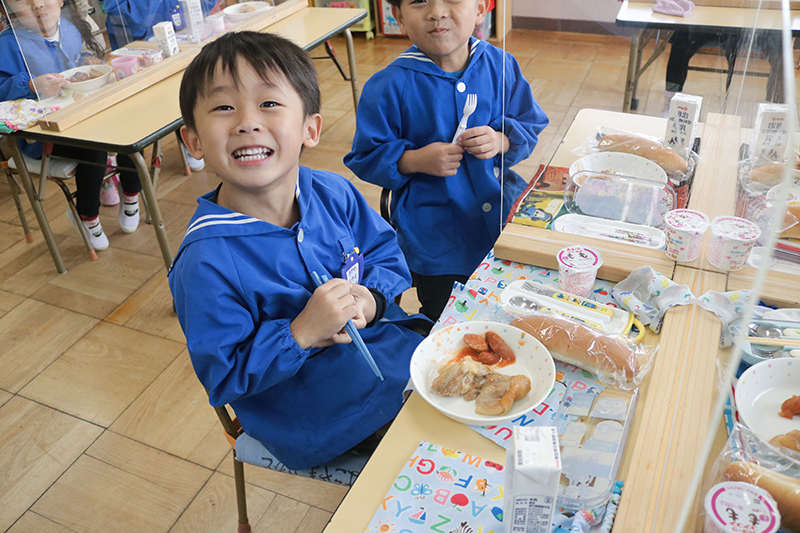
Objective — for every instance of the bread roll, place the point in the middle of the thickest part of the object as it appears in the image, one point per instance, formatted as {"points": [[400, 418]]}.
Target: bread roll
{"points": [[789, 440], [784, 490], [768, 175], [582, 346], [793, 229], [663, 156]]}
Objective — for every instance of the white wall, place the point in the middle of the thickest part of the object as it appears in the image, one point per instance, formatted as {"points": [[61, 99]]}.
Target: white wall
{"points": [[593, 10]]}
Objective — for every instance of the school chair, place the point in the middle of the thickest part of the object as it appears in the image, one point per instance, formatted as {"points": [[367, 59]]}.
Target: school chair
{"points": [[55, 169], [342, 470], [386, 200], [15, 187]]}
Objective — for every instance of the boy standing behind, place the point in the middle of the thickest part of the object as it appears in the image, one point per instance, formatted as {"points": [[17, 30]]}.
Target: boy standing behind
{"points": [[448, 206], [261, 336]]}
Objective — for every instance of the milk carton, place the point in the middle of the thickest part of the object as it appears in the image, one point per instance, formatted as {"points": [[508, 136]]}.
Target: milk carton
{"points": [[164, 34], [771, 134], [684, 114], [532, 474], [193, 14]]}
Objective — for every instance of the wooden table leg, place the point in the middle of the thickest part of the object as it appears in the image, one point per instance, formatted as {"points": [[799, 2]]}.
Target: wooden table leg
{"points": [[633, 68], [153, 212], [351, 60], [41, 218]]}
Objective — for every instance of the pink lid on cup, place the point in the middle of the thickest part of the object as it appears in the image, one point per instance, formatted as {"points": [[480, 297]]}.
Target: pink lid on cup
{"points": [[687, 220], [733, 507], [735, 228], [579, 259]]}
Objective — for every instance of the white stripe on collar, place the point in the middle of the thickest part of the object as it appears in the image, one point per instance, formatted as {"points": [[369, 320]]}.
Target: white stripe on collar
{"points": [[220, 223], [221, 218]]}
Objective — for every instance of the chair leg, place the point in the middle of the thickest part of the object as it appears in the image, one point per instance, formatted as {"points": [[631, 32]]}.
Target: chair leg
{"points": [[241, 497], [12, 183], [65, 190]]}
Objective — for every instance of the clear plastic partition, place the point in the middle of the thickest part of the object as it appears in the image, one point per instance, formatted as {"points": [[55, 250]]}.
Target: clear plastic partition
{"points": [[47, 45]]}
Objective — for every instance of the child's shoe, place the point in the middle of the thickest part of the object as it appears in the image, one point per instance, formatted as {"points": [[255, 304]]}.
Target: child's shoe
{"points": [[195, 164], [129, 213], [93, 229], [108, 192]]}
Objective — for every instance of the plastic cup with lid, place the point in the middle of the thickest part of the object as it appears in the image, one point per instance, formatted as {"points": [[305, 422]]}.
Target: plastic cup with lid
{"points": [[734, 507], [732, 240], [577, 269], [684, 229]]}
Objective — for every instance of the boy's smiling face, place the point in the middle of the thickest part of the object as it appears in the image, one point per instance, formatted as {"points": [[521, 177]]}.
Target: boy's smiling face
{"points": [[441, 28], [250, 134]]}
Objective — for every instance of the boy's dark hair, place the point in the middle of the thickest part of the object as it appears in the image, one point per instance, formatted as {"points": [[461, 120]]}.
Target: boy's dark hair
{"points": [[395, 3], [265, 52]]}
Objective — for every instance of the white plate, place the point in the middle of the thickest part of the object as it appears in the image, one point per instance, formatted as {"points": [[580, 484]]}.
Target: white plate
{"points": [[760, 392], [793, 191], [235, 12], [88, 85], [611, 230], [533, 361], [621, 164]]}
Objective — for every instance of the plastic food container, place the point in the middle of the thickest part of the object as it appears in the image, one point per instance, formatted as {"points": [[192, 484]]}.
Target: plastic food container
{"points": [[732, 240], [620, 163], [684, 229], [735, 507], [616, 197], [577, 269]]}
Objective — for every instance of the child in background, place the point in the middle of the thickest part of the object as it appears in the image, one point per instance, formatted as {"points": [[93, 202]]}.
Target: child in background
{"points": [[262, 337], [449, 201], [52, 44]]}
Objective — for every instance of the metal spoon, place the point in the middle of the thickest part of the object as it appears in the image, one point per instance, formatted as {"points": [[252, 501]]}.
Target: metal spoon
{"points": [[761, 330]]}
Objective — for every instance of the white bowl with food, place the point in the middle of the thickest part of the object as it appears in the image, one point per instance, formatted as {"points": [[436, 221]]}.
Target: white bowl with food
{"points": [[761, 392], [88, 78], [621, 164], [245, 10], [493, 388]]}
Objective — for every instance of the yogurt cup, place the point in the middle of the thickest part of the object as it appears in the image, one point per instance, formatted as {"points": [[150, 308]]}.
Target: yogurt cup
{"points": [[731, 242], [216, 22], [684, 230], [577, 269], [733, 507]]}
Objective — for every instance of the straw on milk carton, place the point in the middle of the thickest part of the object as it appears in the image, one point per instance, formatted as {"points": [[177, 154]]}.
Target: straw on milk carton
{"points": [[164, 34], [684, 114], [771, 131], [532, 474], [193, 14]]}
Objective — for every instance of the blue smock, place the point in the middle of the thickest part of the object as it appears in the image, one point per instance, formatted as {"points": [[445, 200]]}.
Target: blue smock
{"points": [[238, 282], [445, 225]]}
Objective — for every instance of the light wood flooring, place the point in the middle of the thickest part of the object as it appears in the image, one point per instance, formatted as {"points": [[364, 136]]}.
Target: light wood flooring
{"points": [[103, 425]]}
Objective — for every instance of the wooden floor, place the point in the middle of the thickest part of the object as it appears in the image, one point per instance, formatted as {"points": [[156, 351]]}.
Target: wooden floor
{"points": [[103, 425]]}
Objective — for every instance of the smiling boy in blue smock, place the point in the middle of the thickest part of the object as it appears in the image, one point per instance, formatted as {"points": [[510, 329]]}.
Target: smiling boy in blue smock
{"points": [[261, 336], [449, 201]]}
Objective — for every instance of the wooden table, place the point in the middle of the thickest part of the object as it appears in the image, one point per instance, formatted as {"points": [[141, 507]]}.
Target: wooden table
{"points": [[649, 25], [673, 416], [124, 128], [538, 246]]}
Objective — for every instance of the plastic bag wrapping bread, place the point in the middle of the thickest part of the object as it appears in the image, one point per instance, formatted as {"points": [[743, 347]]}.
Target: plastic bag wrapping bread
{"points": [[748, 458], [759, 184], [614, 359], [678, 166]]}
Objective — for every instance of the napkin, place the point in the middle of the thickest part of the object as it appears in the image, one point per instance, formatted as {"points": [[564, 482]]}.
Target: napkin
{"points": [[729, 307], [678, 8], [648, 294], [20, 114]]}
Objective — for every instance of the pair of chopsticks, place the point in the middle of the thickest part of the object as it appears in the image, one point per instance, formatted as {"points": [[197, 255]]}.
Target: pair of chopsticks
{"points": [[352, 331], [770, 341]]}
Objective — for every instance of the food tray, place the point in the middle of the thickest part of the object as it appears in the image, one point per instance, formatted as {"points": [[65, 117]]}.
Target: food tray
{"points": [[621, 198]]}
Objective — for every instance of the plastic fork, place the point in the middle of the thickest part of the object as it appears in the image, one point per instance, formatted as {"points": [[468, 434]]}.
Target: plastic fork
{"points": [[469, 108]]}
